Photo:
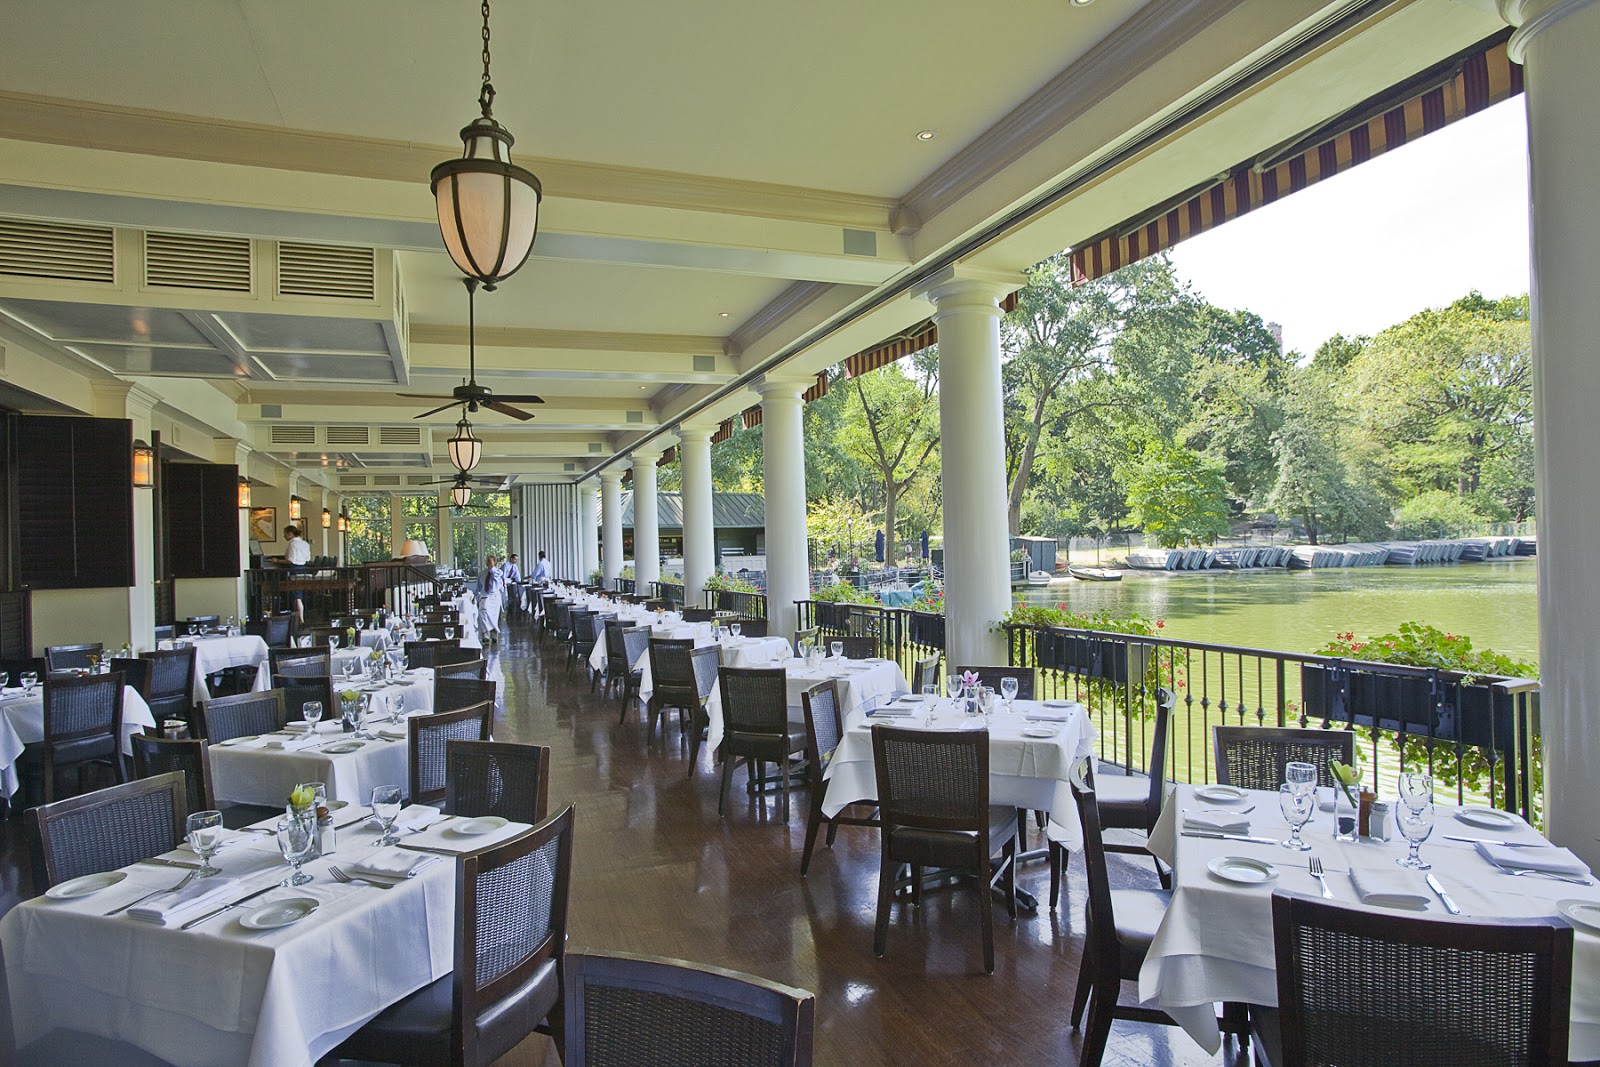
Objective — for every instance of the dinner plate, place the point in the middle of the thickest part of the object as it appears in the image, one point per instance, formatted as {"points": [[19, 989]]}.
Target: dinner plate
{"points": [[335, 805], [1220, 794], [82, 887], [1242, 869], [278, 913], [241, 739], [1038, 731], [1058, 703], [875, 659], [343, 747], [1489, 818], [488, 824], [1584, 913]]}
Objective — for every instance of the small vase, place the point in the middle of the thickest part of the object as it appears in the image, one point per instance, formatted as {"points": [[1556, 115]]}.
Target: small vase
{"points": [[1344, 816]]}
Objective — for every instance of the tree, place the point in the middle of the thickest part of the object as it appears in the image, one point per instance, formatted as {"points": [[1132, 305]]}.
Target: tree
{"points": [[896, 430], [1315, 482], [1179, 497]]}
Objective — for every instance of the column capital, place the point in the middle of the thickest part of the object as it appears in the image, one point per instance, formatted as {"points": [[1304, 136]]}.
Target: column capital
{"points": [[611, 474], [778, 387], [1531, 17], [695, 433], [124, 400], [965, 289], [644, 460]]}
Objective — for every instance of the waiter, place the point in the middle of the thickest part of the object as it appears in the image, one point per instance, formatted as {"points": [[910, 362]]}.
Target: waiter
{"points": [[490, 595]]}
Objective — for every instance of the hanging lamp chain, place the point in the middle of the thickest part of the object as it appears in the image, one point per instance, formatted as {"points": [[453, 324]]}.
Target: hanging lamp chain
{"points": [[486, 95]]}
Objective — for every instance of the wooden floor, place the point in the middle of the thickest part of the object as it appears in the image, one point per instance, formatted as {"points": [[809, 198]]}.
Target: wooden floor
{"points": [[656, 871]]}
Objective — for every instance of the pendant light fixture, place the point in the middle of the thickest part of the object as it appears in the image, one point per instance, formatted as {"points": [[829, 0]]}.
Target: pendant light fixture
{"points": [[461, 492], [488, 207], [465, 449], [144, 465]]}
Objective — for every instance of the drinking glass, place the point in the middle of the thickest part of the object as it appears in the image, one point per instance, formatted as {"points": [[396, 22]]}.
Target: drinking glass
{"points": [[952, 685], [735, 628], [5, 679], [1303, 776], [837, 648], [986, 698], [297, 840], [333, 644], [193, 629], [930, 692], [1415, 825], [204, 832], [312, 711], [1297, 806], [29, 679], [386, 809], [1008, 690], [449, 633], [1416, 789], [319, 793]]}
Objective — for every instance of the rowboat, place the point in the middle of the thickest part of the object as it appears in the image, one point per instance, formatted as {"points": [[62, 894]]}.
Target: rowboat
{"points": [[1095, 574]]}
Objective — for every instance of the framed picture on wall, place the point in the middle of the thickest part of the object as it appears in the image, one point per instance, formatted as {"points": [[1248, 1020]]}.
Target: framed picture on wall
{"points": [[264, 524]]}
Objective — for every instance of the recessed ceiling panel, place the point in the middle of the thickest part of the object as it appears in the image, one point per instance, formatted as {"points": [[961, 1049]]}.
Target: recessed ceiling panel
{"points": [[149, 359], [66, 321], [312, 367], [300, 333]]}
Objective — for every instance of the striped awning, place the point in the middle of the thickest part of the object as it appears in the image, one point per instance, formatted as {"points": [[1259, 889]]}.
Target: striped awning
{"points": [[818, 391], [724, 432], [668, 456], [905, 343], [751, 416], [1460, 86]]}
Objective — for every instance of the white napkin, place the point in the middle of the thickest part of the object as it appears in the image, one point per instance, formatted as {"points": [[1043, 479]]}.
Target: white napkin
{"points": [[390, 862], [418, 817], [325, 726], [295, 744], [1048, 715], [169, 909], [1215, 821], [1389, 888], [398, 732], [894, 711], [1552, 860]]}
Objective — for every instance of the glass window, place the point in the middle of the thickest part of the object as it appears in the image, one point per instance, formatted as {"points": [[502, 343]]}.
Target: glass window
{"points": [[368, 539], [422, 520]]}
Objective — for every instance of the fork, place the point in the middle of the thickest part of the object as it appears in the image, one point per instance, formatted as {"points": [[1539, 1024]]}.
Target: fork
{"points": [[340, 876], [191, 876], [1546, 874], [1315, 866]]}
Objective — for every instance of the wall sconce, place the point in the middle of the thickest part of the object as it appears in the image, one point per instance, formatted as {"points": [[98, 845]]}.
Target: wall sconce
{"points": [[344, 521], [144, 465], [296, 509], [327, 518], [244, 492]]}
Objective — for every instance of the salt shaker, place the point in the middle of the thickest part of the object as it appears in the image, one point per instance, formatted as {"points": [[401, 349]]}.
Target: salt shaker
{"points": [[1379, 826]]}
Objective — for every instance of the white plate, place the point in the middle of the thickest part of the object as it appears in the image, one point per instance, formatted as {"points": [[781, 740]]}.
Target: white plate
{"points": [[1057, 703], [1038, 731], [488, 824], [335, 805], [1489, 818], [82, 887], [1220, 794], [1242, 869], [278, 913], [243, 738], [1584, 913], [343, 747], [875, 659]]}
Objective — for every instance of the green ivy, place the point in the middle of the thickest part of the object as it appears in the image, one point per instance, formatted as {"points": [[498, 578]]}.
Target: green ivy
{"points": [[843, 593], [1042, 616], [726, 583]]}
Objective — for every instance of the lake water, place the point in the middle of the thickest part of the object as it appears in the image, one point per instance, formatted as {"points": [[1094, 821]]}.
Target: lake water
{"points": [[1299, 611]]}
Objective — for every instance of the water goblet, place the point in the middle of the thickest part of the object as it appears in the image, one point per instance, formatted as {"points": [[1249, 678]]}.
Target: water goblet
{"points": [[449, 633], [735, 629], [204, 832], [311, 710], [1416, 789], [193, 629], [1303, 776], [386, 809], [319, 793], [5, 679], [1008, 690], [333, 644], [297, 840], [953, 685], [1297, 807], [29, 679], [986, 700], [1415, 825]]}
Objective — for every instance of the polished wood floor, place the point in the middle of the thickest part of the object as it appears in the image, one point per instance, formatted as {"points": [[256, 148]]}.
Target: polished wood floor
{"points": [[656, 871]]}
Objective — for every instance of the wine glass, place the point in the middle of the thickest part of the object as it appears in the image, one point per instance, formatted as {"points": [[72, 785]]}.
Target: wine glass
{"points": [[5, 679], [29, 679], [297, 840], [1008, 690], [953, 685], [312, 711], [319, 793], [193, 629], [1296, 805], [333, 644], [1416, 789], [1415, 826], [386, 809], [449, 633], [1302, 776], [735, 629], [204, 832], [837, 648]]}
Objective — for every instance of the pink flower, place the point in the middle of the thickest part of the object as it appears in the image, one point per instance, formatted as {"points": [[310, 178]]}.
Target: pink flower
{"points": [[1161, 624], [969, 678]]}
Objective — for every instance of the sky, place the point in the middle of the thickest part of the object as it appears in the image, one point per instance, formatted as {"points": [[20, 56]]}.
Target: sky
{"points": [[1413, 228]]}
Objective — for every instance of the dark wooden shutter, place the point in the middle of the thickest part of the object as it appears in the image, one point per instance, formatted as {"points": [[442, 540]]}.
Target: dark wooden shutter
{"points": [[202, 520], [74, 499]]}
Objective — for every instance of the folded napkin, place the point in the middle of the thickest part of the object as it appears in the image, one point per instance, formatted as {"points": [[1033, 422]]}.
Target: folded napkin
{"points": [[169, 909], [1551, 860], [394, 730], [1215, 821], [323, 727], [893, 711], [391, 862], [12, 691], [1048, 715], [418, 817], [295, 744], [1389, 888]]}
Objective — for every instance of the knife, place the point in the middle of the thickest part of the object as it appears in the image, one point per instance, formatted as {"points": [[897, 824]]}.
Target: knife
{"points": [[1449, 905], [227, 907], [425, 848], [159, 862], [1503, 844], [1230, 837]]}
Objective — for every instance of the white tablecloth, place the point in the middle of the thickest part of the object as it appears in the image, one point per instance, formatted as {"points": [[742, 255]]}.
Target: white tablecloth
{"points": [[859, 687], [665, 624], [1025, 772], [22, 723], [1216, 944], [736, 652], [220, 994], [213, 654]]}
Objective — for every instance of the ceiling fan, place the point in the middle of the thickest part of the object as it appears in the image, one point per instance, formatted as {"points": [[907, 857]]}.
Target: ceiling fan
{"points": [[470, 392]]}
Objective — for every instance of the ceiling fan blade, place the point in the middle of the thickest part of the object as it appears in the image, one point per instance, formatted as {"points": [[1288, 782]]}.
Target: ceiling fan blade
{"points": [[525, 398], [494, 404], [435, 411], [427, 396]]}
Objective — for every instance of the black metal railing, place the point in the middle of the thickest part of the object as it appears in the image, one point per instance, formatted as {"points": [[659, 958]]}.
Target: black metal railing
{"points": [[671, 592], [624, 585], [746, 605], [331, 591]]}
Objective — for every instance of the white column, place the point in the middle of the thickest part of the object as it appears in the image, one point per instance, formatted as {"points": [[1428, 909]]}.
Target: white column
{"points": [[238, 453], [589, 527], [1557, 42], [972, 458], [699, 536], [646, 533], [783, 476], [122, 400], [397, 525], [611, 521]]}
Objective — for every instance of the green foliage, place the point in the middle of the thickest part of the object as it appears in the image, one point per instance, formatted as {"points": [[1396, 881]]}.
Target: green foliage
{"points": [[893, 431], [931, 600], [368, 538], [843, 593], [1437, 513], [728, 583], [597, 577], [1420, 645], [840, 527], [1043, 616], [1178, 497], [1316, 481]]}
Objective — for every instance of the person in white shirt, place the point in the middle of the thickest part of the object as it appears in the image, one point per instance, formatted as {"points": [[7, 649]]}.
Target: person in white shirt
{"points": [[298, 555], [541, 570], [490, 595], [513, 594]]}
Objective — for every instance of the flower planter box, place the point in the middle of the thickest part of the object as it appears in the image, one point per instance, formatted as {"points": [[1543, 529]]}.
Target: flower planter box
{"points": [[1475, 714], [1107, 658]]}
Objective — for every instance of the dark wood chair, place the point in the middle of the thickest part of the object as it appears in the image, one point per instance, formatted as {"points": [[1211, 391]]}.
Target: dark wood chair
{"points": [[426, 653], [628, 1009], [757, 731], [617, 664], [244, 715], [753, 627], [510, 942], [580, 635], [925, 672], [1356, 986], [857, 647], [275, 630], [1121, 925], [561, 630], [812, 634], [169, 688], [154, 756], [428, 771], [992, 677], [203, 622], [497, 778], [672, 675], [820, 704], [450, 653], [473, 669], [71, 657], [435, 631], [106, 829], [304, 662], [453, 694], [322, 635], [699, 614], [1255, 757], [82, 728], [298, 692], [547, 615], [933, 795]]}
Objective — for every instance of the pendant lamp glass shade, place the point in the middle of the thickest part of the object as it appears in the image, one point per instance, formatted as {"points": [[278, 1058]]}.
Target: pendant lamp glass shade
{"points": [[244, 492], [488, 207], [344, 522], [461, 495], [465, 449], [296, 508], [327, 518], [144, 465]]}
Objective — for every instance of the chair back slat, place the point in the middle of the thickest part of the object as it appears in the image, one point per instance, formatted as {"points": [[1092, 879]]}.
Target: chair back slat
{"points": [[429, 735], [1255, 757], [106, 829], [497, 778], [933, 781]]}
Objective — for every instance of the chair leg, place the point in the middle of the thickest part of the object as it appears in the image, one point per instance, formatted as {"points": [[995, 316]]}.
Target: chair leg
{"points": [[694, 744], [986, 915], [784, 788], [722, 798], [1080, 996], [1011, 879], [1060, 859], [880, 935], [1102, 1007], [812, 818]]}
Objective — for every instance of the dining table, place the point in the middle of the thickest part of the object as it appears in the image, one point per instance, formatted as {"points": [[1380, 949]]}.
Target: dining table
{"points": [[219, 652], [22, 723], [1215, 942], [236, 990]]}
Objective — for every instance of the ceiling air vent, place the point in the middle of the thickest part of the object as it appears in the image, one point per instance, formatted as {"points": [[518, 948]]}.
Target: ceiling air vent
{"points": [[352, 479], [292, 435], [400, 435], [386, 479], [348, 435], [337, 271], [32, 249], [418, 479], [197, 261]]}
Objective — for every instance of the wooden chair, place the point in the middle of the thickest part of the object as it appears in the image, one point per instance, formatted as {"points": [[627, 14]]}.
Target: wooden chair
{"points": [[298, 692], [243, 715], [429, 736], [699, 614], [71, 657], [820, 704], [752, 627], [475, 669], [82, 727], [813, 634], [510, 943], [925, 672], [755, 713], [992, 677], [169, 685], [154, 756], [275, 630], [672, 675], [426, 653], [453, 694], [435, 631], [857, 647], [1356, 985], [106, 829], [1255, 757], [302, 662], [497, 778], [581, 637], [933, 794], [635, 644], [451, 652], [628, 1009]]}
